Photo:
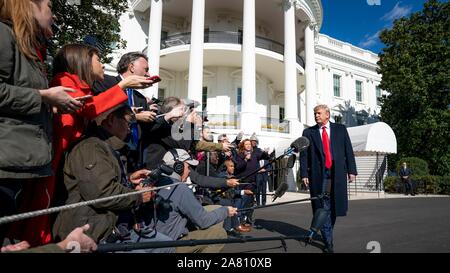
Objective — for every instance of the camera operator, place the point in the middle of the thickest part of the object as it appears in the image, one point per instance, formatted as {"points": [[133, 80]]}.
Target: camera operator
{"points": [[94, 169], [136, 63], [161, 141], [232, 153], [183, 217]]}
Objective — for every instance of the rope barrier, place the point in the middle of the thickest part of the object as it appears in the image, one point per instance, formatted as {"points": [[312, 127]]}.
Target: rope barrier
{"points": [[26, 215]]}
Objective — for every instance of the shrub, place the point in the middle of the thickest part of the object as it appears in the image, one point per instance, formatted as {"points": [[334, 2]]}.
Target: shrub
{"points": [[444, 185], [426, 183], [419, 167], [423, 184], [391, 184]]}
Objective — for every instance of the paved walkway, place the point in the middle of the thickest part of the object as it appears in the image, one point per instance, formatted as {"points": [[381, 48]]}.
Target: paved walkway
{"points": [[395, 223], [289, 196]]}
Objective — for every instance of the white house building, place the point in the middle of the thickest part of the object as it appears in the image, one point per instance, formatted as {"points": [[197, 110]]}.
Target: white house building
{"points": [[255, 65]]}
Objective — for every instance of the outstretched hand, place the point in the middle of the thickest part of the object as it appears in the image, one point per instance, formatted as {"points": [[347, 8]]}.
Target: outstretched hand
{"points": [[77, 238]]}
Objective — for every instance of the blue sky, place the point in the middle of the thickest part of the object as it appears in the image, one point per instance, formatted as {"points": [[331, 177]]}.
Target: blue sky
{"points": [[358, 23]]}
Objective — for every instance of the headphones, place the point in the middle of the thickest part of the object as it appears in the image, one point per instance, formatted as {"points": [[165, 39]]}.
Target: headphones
{"points": [[178, 166]]}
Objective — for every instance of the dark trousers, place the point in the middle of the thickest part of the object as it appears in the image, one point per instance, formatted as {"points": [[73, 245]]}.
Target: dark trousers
{"points": [[247, 201], [408, 186], [9, 192], [229, 222], [327, 228], [261, 189]]}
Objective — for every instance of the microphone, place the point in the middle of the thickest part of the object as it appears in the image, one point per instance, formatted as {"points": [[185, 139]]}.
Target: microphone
{"points": [[191, 103], [300, 144], [280, 191]]}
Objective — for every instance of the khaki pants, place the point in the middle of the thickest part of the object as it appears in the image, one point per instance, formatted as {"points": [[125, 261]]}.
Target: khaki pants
{"points": [[213, 232]]}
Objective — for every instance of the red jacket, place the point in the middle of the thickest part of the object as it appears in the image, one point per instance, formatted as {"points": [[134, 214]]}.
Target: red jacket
{"points": [[68, 128]]}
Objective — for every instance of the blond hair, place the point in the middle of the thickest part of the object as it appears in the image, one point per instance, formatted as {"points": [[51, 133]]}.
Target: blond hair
{"points": [[322, 106], [19, 15]]}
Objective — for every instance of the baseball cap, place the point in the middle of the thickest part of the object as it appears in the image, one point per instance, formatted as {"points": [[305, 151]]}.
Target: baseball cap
{"points": [[183, 156]]}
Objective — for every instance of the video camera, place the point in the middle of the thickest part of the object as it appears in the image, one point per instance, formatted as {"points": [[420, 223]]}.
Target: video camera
{"points": [[156, 174], [152, 180]]}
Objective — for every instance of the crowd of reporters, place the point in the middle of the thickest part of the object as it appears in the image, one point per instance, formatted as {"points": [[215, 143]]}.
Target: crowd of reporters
{"points": [[87, 135]]}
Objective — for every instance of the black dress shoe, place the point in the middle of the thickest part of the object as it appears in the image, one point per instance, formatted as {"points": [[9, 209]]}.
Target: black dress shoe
{"points": [[328, 248], [234, 233], [258, 226]]}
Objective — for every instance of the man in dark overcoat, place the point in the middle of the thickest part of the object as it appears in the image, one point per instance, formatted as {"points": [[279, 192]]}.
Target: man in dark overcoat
{"points": [[325, 167]]}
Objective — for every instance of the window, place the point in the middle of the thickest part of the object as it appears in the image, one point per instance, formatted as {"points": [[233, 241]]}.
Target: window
{"points": [[336, 85], [359, 91], [164, 35], [239, 99], [161, 94], [281, 114], [206, 35], [378, 93], [338, 119], [204, 97]]}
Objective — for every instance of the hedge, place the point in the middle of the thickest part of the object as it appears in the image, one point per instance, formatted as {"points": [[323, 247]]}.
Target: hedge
{"points": [[422, 184], [416, 165]]}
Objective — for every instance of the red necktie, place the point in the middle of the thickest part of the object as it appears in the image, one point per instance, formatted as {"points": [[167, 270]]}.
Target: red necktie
{"points": [[326, 148]]}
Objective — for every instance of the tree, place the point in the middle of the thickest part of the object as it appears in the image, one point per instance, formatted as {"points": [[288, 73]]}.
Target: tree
{"points": [[97, 19], [415, 71]]}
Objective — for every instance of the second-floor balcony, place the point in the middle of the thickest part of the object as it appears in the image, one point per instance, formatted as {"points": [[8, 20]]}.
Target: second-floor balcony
{"points": [[227, 37], [233, 122], [275, 125]]}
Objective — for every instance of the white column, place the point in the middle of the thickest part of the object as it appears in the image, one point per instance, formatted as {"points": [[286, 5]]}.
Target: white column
{"points": [[310, 74], [250, 121], [372, 95], [195, 84], [290, 69], [154, 43]]}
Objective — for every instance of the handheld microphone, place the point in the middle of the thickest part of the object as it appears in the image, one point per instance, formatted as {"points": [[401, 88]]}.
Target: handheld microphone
{"points": [[300, 144]]}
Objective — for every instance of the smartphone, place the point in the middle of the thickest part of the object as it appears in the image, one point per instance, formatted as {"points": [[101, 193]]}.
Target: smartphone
{"points": [[83, 98], [139, 109], [154, 79]]}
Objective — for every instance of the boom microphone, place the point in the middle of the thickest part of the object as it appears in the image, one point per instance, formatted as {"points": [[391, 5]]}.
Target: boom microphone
{"points": [[300, 144], [280, 191]]}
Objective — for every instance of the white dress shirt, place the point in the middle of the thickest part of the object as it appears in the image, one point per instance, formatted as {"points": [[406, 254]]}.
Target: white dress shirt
{"points": [[327, 125]]}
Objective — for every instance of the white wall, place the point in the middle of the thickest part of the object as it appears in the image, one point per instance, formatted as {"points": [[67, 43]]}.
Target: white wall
{"points": [[221, 82]]}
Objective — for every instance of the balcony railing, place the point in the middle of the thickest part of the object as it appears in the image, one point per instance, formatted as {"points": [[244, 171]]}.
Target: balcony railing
{"points": [[216, 121], [227, 37], [223, 121], [275, 125]]}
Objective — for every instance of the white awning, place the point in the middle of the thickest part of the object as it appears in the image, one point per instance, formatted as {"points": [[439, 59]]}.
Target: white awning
{"points": [[366, 140], [373, 138]]}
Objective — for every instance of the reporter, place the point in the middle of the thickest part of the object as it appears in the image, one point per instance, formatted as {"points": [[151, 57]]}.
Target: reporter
{"points": [[25, 99], [76, 66]]}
